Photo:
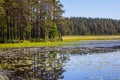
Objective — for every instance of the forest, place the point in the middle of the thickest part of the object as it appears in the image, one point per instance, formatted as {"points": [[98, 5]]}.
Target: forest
{"points": [[34, 20], [41, 20], [90, 26]]}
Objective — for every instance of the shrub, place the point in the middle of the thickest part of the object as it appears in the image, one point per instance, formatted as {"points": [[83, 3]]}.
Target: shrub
{"points": [[36, 40], [14, 41]]}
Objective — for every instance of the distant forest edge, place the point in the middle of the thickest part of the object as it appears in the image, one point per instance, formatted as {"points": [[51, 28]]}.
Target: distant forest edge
{"points": [[90, 26], [41, 20]]}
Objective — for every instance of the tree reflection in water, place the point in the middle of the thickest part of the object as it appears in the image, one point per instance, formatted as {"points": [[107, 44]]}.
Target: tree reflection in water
{"points": [[27, 64]]}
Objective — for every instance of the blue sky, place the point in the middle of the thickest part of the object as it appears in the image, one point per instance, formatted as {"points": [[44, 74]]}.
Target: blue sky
{"points": [[92, 8]]}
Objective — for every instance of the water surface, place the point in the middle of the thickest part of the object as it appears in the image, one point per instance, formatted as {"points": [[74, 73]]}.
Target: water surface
{"points": [[89, 60], [97, 66]]}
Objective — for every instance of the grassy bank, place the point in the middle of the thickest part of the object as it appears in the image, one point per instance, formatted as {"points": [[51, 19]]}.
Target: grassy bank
{"points": [[29, 44], [66, 39]]}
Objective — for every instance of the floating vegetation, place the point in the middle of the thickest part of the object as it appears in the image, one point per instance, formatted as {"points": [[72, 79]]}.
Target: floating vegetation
{"points": [[57, 63], [26, 64], [3, 77]]}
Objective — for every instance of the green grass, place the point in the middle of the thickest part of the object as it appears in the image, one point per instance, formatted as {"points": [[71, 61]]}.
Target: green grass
{"points": [[78, 38], [66, 39], [29, 44]]}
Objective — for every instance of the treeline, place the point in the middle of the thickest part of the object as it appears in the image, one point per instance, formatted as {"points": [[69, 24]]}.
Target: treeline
{"points": [[41, 20], [90, 26], [33, 20]]}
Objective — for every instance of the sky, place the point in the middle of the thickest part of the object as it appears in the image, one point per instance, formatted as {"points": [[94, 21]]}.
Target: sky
{"points": [[92, 8]]}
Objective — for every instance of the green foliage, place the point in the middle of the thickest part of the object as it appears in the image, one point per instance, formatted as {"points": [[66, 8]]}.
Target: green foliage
{"points": [[36, 40], [53, 32], [14, 41], [2, 10], [90, 26], [3, 40], [28, 20]]}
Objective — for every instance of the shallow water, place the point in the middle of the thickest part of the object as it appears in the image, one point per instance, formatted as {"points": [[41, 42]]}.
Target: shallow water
{"points": [[102, 43], [90, 60], [102, 66]]}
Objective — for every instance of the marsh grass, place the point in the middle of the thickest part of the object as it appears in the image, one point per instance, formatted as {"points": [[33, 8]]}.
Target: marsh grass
{"points": [[29, 44], [66, 39], [76, 38]]}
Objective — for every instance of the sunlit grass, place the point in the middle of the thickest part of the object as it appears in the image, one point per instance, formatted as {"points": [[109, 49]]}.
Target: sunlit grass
{"points": [[76, 38], [30, 44], [66, 39]]}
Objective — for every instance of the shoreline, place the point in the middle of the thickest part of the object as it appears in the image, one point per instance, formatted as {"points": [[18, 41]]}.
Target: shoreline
{"points": [[66, 41]]}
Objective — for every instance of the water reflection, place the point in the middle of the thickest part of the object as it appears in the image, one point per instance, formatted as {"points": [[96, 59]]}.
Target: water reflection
{"points": [[27, 64], [97, 66], [50, 63]]}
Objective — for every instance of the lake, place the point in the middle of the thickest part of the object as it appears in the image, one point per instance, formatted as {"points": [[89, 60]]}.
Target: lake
{"points": [[87, 60]]}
